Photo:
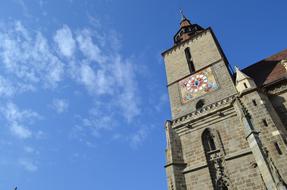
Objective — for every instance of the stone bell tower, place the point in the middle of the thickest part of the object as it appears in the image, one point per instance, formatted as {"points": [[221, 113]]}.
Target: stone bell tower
{"points": [[213, 140]]}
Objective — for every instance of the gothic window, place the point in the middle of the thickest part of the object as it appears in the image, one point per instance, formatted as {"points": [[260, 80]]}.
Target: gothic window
{"points": [[215, 159], [199, 104], [189, 60]]}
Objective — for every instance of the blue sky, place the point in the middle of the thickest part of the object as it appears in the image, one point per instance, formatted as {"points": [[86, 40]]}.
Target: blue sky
{"points": [[82, 84]]}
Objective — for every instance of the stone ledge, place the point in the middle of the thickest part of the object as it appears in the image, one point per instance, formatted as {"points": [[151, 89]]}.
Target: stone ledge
{"points": [[175, 164], [199, 124], [195, 167], [202, 165], [238, 154], [203, 111]]}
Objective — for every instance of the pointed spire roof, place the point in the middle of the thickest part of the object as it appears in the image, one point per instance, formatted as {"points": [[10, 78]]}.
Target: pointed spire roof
{"points": [[240, 75], [185, 22], [182, 15], [186, 30]]}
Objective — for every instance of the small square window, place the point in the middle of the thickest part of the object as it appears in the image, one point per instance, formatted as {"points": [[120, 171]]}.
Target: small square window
{"points": [[254, 102]]}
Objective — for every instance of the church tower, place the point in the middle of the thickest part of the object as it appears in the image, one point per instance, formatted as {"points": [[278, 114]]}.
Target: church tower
{"points": [[217, 138]]}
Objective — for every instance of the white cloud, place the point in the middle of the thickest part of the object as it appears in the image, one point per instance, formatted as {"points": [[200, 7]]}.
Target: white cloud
{"points": [[87, 77], [12, 113], [88, 48], [29, 149], [124, 75], [20, 131], [9, 88], [94, 124], [28, 165], [138, 138], [97, 81], [31, 64], [65, 41], [60, 105], [16, 120], [29, 57], [6, 87]]}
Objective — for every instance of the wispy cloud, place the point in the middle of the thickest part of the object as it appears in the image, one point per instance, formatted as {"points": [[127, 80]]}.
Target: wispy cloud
{"points": [[94, 124], [19, 120], [6, 87], [60, 105], [28, 164], [65, 41], [107, 73], [29, 149], [88, 48], [138, 137], [20, 131], [86, 57], [28, 56]]}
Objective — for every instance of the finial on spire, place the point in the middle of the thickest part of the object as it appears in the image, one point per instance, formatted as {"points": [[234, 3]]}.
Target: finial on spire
{"points": [[236, 68], [182, 15]]}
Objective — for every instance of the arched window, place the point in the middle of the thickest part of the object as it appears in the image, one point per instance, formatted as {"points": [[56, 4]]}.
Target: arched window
{"points": [[208, 141], [189, 60], [199, 104]]}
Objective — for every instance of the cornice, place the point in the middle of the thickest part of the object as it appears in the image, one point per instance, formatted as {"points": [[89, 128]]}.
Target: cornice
{"points": [[208, 109], [277, 89]]}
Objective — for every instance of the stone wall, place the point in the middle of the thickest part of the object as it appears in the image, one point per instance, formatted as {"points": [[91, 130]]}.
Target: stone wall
{"points": [[226, 88], [278, 97], [205, 52], [239, 163], [271, 130]]}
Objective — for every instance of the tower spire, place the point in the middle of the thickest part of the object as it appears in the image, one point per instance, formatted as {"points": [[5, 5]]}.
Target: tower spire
{"points": [[187, 29]]}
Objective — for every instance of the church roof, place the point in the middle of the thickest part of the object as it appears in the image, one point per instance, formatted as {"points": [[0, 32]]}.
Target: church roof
{"points": [[269, 70]]}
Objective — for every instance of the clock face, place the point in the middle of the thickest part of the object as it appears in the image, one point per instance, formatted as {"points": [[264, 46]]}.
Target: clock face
{"points": [[197, 85]]}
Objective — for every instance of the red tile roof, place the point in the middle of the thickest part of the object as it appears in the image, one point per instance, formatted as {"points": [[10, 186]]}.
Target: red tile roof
{"points": [[268, 70]]}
